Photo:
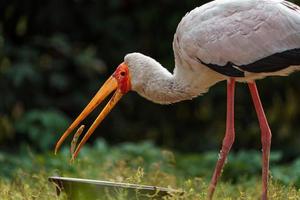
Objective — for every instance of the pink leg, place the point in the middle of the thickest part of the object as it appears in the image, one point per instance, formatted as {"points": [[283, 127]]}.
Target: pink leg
{"points": [[265, 137], [228, 139]]}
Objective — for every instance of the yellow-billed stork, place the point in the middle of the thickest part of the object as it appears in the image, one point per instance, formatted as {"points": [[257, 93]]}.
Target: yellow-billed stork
{"points": [[232, 40]]}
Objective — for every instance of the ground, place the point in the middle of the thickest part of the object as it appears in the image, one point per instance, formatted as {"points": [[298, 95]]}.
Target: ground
{"points": [[27, 176]]}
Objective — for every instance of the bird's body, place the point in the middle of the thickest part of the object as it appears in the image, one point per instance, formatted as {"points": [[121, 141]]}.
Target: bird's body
{"points": [[246, 39], [233, 40]]}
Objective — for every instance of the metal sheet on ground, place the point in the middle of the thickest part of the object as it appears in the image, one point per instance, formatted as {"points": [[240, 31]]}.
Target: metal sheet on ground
{"points": [[87, 189]]}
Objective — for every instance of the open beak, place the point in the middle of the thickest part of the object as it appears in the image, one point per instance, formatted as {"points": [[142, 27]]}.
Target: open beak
{"points": [[109, 86]]}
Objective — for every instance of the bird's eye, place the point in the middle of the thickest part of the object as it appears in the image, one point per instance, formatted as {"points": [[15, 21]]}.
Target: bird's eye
{"points": [[122, 73]]}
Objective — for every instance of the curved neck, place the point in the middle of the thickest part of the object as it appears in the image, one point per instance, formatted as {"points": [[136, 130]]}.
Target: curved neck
{"points": [[163, 87], [156, 83], [166, 89]]}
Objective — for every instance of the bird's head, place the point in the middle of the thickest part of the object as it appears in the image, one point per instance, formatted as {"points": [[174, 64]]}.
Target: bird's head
{"points": [[120, 82]]}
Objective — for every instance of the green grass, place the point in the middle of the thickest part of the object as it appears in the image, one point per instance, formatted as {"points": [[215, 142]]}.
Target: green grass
{"points": [[25, 176], [36, 186]]}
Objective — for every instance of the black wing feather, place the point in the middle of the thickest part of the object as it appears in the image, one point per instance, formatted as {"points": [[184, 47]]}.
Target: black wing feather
{"points": [[272, 63], [227, 70]]}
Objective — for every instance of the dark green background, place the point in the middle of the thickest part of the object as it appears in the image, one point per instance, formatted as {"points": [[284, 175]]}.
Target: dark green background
{"points": [[54, 55]]}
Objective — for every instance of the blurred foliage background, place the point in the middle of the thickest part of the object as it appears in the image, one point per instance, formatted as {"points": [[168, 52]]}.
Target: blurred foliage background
{"points": [[54, 55]]}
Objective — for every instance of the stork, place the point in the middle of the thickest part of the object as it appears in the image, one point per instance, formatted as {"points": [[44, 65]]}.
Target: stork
{"points": [[223, 40]]}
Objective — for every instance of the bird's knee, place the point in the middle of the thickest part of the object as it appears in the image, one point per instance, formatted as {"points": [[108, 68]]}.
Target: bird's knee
{"points": [[227, 143]]}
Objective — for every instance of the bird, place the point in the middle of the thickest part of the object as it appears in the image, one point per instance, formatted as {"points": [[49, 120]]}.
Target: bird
{"points": [[232, 41]]}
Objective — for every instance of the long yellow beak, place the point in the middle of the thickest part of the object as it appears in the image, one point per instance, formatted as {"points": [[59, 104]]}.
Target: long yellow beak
{"points": [[109, 86]]}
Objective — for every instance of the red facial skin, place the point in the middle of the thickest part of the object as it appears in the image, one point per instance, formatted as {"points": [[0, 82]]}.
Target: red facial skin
{"points": [[123, 77]]}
